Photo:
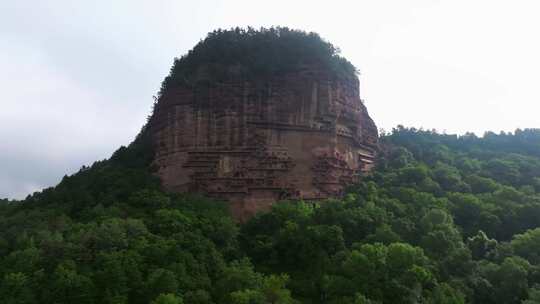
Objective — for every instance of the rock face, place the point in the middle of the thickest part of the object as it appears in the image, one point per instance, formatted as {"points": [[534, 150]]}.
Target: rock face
{"points": [[304, 134]]}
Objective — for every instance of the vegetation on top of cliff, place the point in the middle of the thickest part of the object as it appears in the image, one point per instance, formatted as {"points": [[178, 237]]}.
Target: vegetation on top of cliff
{"points": [[254, 53], [443, 219]]}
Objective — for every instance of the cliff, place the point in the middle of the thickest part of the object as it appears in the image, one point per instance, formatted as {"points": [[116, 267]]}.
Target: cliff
{"points": [[255, 140]]}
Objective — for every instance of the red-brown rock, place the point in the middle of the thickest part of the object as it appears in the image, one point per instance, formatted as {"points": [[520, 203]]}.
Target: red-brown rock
{"points": [[305, 134]]}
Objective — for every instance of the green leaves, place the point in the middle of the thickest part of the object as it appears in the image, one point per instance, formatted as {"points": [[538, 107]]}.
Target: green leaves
{"points": [[527, 245], [388, 273], [436, 223], [167, 298], [16, 288], [272, 290], [241, 53], [70, 286]]}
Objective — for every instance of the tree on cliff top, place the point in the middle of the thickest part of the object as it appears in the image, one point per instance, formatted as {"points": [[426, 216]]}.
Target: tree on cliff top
{"points": [[256, 53]]}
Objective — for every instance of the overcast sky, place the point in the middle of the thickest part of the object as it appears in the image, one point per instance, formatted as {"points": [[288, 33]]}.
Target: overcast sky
{"points": [[77, 77]]}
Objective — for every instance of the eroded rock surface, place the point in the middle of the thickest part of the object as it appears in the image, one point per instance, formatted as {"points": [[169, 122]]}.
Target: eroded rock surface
{"points": [[304, 135]]}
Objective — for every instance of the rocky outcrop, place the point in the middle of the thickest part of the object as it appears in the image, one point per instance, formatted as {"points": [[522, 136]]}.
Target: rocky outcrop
{"points": [[304, 134]]}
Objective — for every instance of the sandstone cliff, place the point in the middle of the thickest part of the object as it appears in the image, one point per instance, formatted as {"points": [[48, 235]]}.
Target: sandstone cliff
{"points": [[302, 134]]}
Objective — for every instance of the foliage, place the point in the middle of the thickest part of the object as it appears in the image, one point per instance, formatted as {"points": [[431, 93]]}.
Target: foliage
{"points": [[442, 219], [250, 53]]}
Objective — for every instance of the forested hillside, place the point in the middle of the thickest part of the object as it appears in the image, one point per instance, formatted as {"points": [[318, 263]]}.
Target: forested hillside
{"points": [[443, 219]]}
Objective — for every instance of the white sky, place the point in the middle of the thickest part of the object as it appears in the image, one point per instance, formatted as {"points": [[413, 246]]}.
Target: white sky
{"points": [[77, 78]]}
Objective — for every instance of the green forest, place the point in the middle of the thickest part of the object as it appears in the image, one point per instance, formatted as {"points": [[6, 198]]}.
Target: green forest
{"points": [[442, 219], [253, 54]]}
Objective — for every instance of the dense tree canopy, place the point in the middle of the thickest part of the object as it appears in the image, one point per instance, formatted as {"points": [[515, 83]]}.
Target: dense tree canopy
{"points": [[442, 219], [244, 53]]}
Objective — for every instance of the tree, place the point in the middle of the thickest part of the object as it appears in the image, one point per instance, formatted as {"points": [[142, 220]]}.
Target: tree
{"points": [[527, 245], [272, 291], [533, 296], [167, 298], [15, 288], [480, 245], [445, 294], [69, 286], [161, 281]]}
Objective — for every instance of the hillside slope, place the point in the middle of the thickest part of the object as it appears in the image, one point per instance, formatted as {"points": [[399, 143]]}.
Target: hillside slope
{"points": [[443, 219]]}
